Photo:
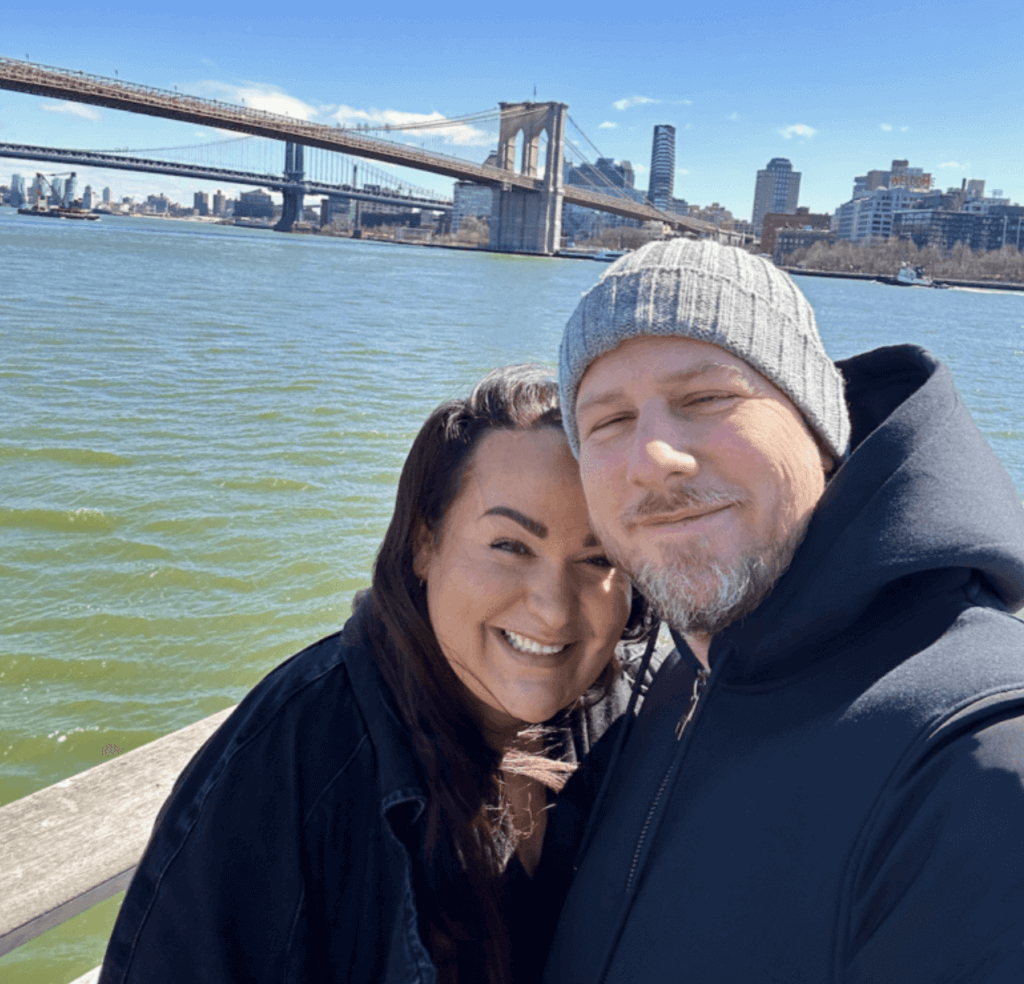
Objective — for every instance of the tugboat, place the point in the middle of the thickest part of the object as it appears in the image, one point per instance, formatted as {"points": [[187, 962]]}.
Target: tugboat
{"points": [[913, 276]]}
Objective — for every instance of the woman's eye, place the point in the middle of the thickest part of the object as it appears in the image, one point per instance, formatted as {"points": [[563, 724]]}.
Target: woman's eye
{"points": [[599, 561], [511, 546]]}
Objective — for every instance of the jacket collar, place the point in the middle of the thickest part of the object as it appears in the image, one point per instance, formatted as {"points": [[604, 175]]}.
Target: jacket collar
{"points": [[400, 778]]}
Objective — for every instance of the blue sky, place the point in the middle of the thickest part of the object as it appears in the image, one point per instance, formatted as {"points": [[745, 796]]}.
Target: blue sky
{"points": [[839, 89]]}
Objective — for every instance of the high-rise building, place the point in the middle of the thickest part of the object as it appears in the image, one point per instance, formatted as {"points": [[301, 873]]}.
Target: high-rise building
{"points": [[160, 204], [255, 204], [470, 199], [106, 196], [603, 176], [777, 190], [871, 217], [900, 175], [17, 195], [219, 203], [88, 198], [70, 187], [201, 203], [663, 166]]}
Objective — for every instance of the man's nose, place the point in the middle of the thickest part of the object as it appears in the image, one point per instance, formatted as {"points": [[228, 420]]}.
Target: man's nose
{"points": [[659, 454]]}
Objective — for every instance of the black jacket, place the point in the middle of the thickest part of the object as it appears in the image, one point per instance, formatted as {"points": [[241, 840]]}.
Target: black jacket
{"points": [[287, 849], [847, 802]]}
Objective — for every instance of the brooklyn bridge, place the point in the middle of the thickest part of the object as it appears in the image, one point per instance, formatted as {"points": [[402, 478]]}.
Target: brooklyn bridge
{"points": [[526, 173]]}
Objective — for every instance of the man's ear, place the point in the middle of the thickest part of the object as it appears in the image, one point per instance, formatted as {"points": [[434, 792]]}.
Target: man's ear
{"points": [[423, 546], [828, 463]]}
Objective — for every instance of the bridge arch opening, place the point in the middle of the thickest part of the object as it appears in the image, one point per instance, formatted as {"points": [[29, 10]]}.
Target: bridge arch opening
{"points": [[519, 153], [542, 153]]}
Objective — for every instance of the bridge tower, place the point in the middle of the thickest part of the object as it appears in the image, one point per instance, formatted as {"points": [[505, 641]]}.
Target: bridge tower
{"points": [[523, 220], [294, 173]]}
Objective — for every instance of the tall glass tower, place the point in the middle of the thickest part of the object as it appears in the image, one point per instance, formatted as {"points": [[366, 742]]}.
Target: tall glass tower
{"points": [[663, 166]]}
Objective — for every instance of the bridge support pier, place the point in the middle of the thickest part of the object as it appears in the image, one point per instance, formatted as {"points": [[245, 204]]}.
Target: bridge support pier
{"points": [[525, 221], [294, 172]]}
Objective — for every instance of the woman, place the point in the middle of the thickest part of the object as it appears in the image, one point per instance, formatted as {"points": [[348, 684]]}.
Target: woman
{"points": [[372, 810]]}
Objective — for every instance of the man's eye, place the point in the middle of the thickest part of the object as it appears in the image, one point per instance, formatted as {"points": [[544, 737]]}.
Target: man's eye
{"points": [[710, 398], [608, 422]]}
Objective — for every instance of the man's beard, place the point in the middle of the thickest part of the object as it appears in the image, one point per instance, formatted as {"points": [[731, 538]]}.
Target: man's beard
{"points": [[690, 589]]}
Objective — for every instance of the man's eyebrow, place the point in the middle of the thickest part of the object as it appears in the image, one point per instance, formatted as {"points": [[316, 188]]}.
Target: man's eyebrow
{"points": [[684, 376], [534, 526]]}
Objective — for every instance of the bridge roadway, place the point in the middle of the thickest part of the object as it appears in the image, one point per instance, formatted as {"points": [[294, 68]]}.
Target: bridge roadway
{"points": [[60, 83], [95, 158]]}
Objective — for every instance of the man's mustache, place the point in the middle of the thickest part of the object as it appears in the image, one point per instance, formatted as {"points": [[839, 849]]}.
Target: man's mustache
{"points": [[679, 498]]}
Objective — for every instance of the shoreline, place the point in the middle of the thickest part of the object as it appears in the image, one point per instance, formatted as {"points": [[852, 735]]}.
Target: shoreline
{"points": [[883, 279]]}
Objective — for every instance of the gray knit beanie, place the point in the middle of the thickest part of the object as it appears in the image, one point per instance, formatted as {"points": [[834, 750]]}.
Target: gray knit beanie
{"points": [[718, 294]]}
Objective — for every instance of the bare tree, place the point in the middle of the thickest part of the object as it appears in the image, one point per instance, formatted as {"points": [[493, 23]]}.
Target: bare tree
{"points": [[885, 258]]}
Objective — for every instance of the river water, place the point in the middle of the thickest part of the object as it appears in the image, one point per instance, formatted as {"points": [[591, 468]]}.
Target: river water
{"points": [[201, 432]]}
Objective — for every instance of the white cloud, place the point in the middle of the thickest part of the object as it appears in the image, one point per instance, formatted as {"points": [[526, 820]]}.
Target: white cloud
{"points": [[607, 125], [681, 170], [885, 126], [641, 168], [733, 116], [956, 164], [633, 101], [801, 130], [461, 134], [73, 109], [269, 98], [903, 129]]}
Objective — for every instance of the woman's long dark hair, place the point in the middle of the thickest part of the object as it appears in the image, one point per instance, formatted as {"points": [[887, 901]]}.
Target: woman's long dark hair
{"points": [[464, 847]]}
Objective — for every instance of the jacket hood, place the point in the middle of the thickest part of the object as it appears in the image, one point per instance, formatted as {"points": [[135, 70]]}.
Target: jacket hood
{"points": [[920, 496]]}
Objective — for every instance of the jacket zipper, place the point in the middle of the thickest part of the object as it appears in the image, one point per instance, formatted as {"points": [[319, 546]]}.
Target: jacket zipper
{"points": [[699, 686]]}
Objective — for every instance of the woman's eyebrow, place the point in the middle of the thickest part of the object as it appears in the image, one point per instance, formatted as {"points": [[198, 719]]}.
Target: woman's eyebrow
{"points": [[534, 526]]}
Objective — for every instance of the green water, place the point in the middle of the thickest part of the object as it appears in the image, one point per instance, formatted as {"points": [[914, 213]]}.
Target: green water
{"points": [[201, 428]]}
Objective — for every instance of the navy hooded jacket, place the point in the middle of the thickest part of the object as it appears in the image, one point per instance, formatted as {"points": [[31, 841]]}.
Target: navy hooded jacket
{"points": [[846, 802]]}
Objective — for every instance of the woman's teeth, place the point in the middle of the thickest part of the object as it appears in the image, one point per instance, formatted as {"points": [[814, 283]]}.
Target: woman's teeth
{"points": [[527, 645]]}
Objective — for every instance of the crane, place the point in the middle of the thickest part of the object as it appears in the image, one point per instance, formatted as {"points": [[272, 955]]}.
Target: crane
{"points": [[65, 209]]}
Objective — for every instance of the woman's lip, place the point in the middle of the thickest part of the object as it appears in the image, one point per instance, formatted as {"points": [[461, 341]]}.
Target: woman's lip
{"points": [[682, 517]]}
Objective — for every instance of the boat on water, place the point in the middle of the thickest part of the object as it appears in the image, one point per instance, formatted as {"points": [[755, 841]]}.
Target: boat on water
{"points": [[913, 276], [60, 212], [609, 255]]}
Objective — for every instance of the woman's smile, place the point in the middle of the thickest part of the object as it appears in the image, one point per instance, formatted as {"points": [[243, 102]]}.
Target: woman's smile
{"points": [[524, 644]]}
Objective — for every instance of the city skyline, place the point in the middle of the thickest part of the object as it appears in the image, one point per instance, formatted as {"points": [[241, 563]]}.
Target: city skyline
{"points": [[839, 99]]}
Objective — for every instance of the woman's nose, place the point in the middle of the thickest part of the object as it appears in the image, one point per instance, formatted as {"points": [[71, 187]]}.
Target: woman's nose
{"points": [[552, 598]]}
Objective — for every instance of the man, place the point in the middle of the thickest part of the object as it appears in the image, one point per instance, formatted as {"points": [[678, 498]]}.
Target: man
{"points": [[828, 783]]}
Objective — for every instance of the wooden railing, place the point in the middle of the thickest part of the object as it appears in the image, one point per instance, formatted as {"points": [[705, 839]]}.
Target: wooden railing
{"points": [[76, 843]]}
